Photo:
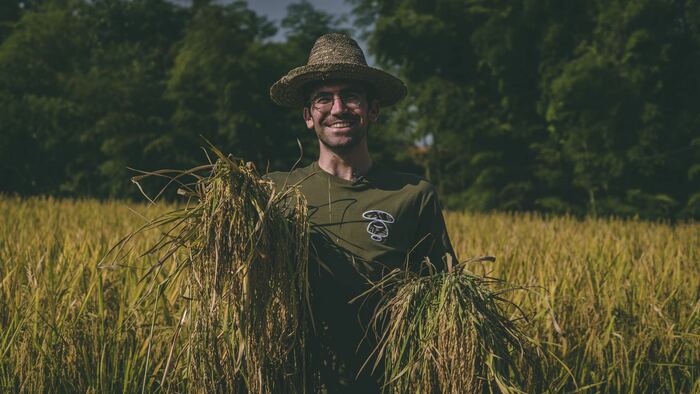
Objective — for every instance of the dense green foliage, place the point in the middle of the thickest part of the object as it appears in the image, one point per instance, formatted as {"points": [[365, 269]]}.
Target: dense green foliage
{"points": [[587, 107], [577, 106]]}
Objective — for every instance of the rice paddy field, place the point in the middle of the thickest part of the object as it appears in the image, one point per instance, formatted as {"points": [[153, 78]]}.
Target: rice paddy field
{"points": [[614, 305]]}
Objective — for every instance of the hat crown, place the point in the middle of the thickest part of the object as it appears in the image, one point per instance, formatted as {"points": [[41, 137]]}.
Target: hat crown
{"points": [[335, 56], [336, 48]]}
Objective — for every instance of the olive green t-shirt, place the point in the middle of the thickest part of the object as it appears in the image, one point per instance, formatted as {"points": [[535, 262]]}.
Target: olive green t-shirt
{"points": [[359, 231], [362, 229]]}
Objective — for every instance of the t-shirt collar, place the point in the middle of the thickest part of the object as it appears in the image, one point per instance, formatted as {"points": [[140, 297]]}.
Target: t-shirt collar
{"points": [[361, 182]]}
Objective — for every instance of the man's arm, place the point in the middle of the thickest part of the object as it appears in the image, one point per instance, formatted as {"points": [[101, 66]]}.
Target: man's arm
{"points": [[434, 241]]}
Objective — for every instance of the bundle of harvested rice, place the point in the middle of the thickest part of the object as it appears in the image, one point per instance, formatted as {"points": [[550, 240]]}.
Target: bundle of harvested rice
{"points": [[446, 333], [247, 249]]}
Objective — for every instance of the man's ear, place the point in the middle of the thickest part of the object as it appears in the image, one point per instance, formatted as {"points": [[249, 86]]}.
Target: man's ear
{"points": [[308, 119], [373, 110]]}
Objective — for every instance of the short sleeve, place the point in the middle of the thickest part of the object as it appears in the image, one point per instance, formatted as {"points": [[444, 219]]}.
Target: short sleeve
{"points": [[432, 238]]}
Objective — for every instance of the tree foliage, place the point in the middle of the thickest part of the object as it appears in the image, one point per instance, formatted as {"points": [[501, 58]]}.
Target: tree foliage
{"points": [[585, 107], [577, 106]]}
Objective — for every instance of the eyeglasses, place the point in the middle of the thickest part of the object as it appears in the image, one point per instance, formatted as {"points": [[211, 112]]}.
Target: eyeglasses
{"points": [[324, 101]]}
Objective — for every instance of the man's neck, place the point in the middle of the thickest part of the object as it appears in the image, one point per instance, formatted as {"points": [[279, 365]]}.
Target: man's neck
{"points": [[347, 166]]}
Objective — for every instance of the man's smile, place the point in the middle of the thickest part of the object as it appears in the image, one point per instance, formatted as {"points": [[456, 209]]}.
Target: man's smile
{"points": [[342, 124]]}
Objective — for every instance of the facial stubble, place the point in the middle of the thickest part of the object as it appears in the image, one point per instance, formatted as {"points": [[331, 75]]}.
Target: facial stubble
{"points": [[356, 137]]}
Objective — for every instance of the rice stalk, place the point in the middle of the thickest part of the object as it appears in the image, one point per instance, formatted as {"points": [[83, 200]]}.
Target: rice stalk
{"points": [[247, 257], [446, 332]]}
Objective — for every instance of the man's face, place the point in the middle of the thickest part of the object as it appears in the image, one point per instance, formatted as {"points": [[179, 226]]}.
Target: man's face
{"points": [[340, 113]]}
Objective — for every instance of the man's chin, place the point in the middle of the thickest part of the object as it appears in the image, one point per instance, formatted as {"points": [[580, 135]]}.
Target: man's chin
{"points": [[341, 141], [341, 145]]}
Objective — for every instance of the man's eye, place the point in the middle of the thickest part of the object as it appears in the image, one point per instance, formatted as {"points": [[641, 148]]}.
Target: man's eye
{"points": [[353, 97], [323, 100]]}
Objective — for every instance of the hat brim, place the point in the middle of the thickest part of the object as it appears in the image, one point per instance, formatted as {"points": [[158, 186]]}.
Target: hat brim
{"points": [[289, 92]]}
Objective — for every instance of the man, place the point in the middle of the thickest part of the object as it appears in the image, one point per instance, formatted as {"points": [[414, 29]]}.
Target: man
{"points": [[366, 220]]}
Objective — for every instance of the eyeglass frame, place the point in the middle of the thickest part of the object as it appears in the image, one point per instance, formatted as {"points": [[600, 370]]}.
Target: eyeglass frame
{"points": [[342, 95]]}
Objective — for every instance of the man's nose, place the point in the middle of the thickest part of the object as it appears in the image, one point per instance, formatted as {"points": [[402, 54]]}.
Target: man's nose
{"points": [[338, 106]]}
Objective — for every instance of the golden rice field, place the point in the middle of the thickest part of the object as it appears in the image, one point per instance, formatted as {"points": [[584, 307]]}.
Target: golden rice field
{"points": [[614, 304]]}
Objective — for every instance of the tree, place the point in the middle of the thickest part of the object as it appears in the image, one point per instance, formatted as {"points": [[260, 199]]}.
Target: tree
{"points": [[131, 53], [577, 106], [38, 120]]}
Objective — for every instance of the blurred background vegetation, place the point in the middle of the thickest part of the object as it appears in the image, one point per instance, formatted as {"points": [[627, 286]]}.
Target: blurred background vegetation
{"points": [[588, 107]]}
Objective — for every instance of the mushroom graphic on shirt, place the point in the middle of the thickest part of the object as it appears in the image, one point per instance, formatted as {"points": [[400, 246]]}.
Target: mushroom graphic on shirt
{"points": [[377, 228]]}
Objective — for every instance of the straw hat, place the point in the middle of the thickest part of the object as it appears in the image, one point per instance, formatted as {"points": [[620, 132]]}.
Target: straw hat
{"points": [[336, 56]]}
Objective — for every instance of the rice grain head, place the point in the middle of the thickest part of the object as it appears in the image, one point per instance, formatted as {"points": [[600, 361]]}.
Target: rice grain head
{"points": [[248, 285], [446, 333]]}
